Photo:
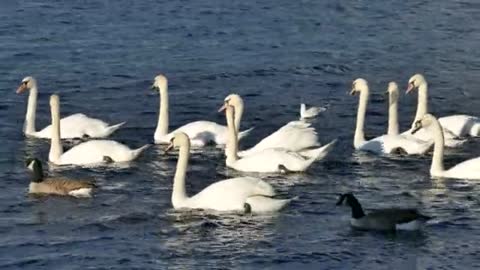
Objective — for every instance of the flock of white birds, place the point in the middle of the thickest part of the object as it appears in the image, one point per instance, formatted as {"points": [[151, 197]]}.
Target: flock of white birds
{"points": [[292, 148]]}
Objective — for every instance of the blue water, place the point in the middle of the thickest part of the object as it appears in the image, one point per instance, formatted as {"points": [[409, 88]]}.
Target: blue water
{"points": [[101, 57]]}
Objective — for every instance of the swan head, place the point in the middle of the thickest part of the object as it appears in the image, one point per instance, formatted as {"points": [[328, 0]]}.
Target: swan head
{"points": [[232, 100], [54, 101], [179, 139], [160, 83], [359, 85], [424, 122], [392, 91], [27, 83], [415, 81]]}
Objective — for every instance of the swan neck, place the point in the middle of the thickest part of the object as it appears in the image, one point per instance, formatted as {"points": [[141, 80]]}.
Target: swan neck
{"points": [[361, 112], [162, 125], [231, 148], [30, 117], [437, 159], [238, 117], [179, 194], [393, 128], [56, 149], [422, 104]]}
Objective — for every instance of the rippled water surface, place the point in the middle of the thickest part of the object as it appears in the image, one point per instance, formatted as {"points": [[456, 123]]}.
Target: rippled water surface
{"points": [[101, 57]]}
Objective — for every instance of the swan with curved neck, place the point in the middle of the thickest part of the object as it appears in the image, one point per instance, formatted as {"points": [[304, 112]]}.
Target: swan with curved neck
{"points": [[235, 194], [268, 160], [199, 132], [454, 125], [469, 169], [297, 136], [91, 152], [73, 126], [385, 144]]}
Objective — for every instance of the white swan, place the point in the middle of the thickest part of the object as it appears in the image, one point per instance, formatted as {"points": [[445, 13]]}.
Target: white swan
{"points": [[74, 126], [234, 194], [268, 160], [469, 169], [199, 132], [297, 136], [91, 152], [385, 144], [453, 126], [408, 143], [310, 112]]}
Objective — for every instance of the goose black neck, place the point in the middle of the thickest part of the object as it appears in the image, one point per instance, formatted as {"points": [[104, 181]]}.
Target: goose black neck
{"points": [[357, 211], [37, 173]]}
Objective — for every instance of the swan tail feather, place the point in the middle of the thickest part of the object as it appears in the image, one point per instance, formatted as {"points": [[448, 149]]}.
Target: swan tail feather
{"points": [[244, 133], [319, 153], [138, 151], [262, 204], [113, 128]]}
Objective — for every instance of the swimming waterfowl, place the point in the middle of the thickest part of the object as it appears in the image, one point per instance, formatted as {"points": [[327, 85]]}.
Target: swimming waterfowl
{"points": [[383, 220], [59, 186]]}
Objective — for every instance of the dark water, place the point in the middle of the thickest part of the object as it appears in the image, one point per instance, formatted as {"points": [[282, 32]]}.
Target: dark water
{"points": [[101, 56]]}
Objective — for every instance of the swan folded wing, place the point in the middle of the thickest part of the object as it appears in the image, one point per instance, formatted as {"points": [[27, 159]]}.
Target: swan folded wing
{"points": [[461, 125], [469, 169], [409, 144], [294, 136], [93, 152], [230, 194], [204, 131], [270, 159], [76, 126], [376, 146]]}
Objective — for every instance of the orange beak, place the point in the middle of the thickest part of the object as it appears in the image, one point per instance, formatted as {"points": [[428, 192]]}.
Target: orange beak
{"points": [[169, 147], [409, 88], [21, 88], [223, 107]]}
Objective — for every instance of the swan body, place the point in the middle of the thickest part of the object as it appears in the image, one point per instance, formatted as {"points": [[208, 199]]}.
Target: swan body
{"points": [[91, 152], [58, 186], [268, 160], [234, 194], [200, 132], [74, 126], [469, 169], [310, 112], [385, 219], [454, 126]]}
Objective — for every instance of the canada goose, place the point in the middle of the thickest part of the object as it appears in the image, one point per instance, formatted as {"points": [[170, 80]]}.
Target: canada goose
{"points": [[58, 186], [385, 219]]}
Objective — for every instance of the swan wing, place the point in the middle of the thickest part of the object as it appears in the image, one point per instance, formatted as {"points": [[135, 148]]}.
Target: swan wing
{"points": [[94, 151], [469, 169], [461, 125], [294, 136], [270, 160], [409, 144], [230, 194], [76, 126], [376, 146]]}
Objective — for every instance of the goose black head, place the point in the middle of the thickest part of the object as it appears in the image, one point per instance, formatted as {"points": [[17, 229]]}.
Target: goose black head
{"points": [[35, 166]]}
